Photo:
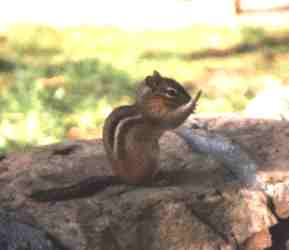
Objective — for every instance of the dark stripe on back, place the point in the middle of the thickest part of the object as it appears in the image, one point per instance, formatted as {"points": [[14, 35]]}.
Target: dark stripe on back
{"points": [[112, 122], [122, 129]]}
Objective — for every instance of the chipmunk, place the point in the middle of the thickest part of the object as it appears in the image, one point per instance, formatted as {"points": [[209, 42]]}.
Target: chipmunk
{"points": [[130, 137]]}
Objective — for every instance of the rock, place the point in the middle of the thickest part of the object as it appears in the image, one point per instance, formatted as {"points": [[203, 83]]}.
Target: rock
{"points": [[272, 103], [17, 234], [194, 208], [280, 199], [258, 241]]}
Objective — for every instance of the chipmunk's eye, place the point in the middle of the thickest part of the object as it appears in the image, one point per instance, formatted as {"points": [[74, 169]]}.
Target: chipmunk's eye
{"points": [[171, 93]]}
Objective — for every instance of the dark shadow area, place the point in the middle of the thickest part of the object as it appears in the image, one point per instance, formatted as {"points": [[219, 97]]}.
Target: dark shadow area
{"points": [[38, 51], [159, 55], [6, 65], [19, 231], [253, 40], [245, 47], [280, 235], [2, 156]]}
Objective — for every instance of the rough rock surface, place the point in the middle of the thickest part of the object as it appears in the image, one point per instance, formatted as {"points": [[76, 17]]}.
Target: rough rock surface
{"points": [[193, 208]]}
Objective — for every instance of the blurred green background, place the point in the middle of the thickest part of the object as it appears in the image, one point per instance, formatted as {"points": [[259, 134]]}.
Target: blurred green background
{"points": [[62, 83]]}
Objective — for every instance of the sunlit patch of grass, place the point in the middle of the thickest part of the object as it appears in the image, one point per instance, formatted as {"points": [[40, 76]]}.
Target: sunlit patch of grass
{"points": [[63, 83], [35, 39]]}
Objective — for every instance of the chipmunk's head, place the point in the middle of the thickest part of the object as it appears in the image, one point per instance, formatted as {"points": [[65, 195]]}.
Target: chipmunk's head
{"points": [[158, 97]]}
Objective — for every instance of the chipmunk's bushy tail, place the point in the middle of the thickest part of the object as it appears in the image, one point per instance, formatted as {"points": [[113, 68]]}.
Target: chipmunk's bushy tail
{"points": [[82, 189]]}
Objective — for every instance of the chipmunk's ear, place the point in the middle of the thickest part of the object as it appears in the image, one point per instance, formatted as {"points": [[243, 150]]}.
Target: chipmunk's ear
{"points": [[153, 80]]}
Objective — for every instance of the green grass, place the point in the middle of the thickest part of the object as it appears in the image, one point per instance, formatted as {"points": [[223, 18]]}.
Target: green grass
{"points": [[56, 84]]}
